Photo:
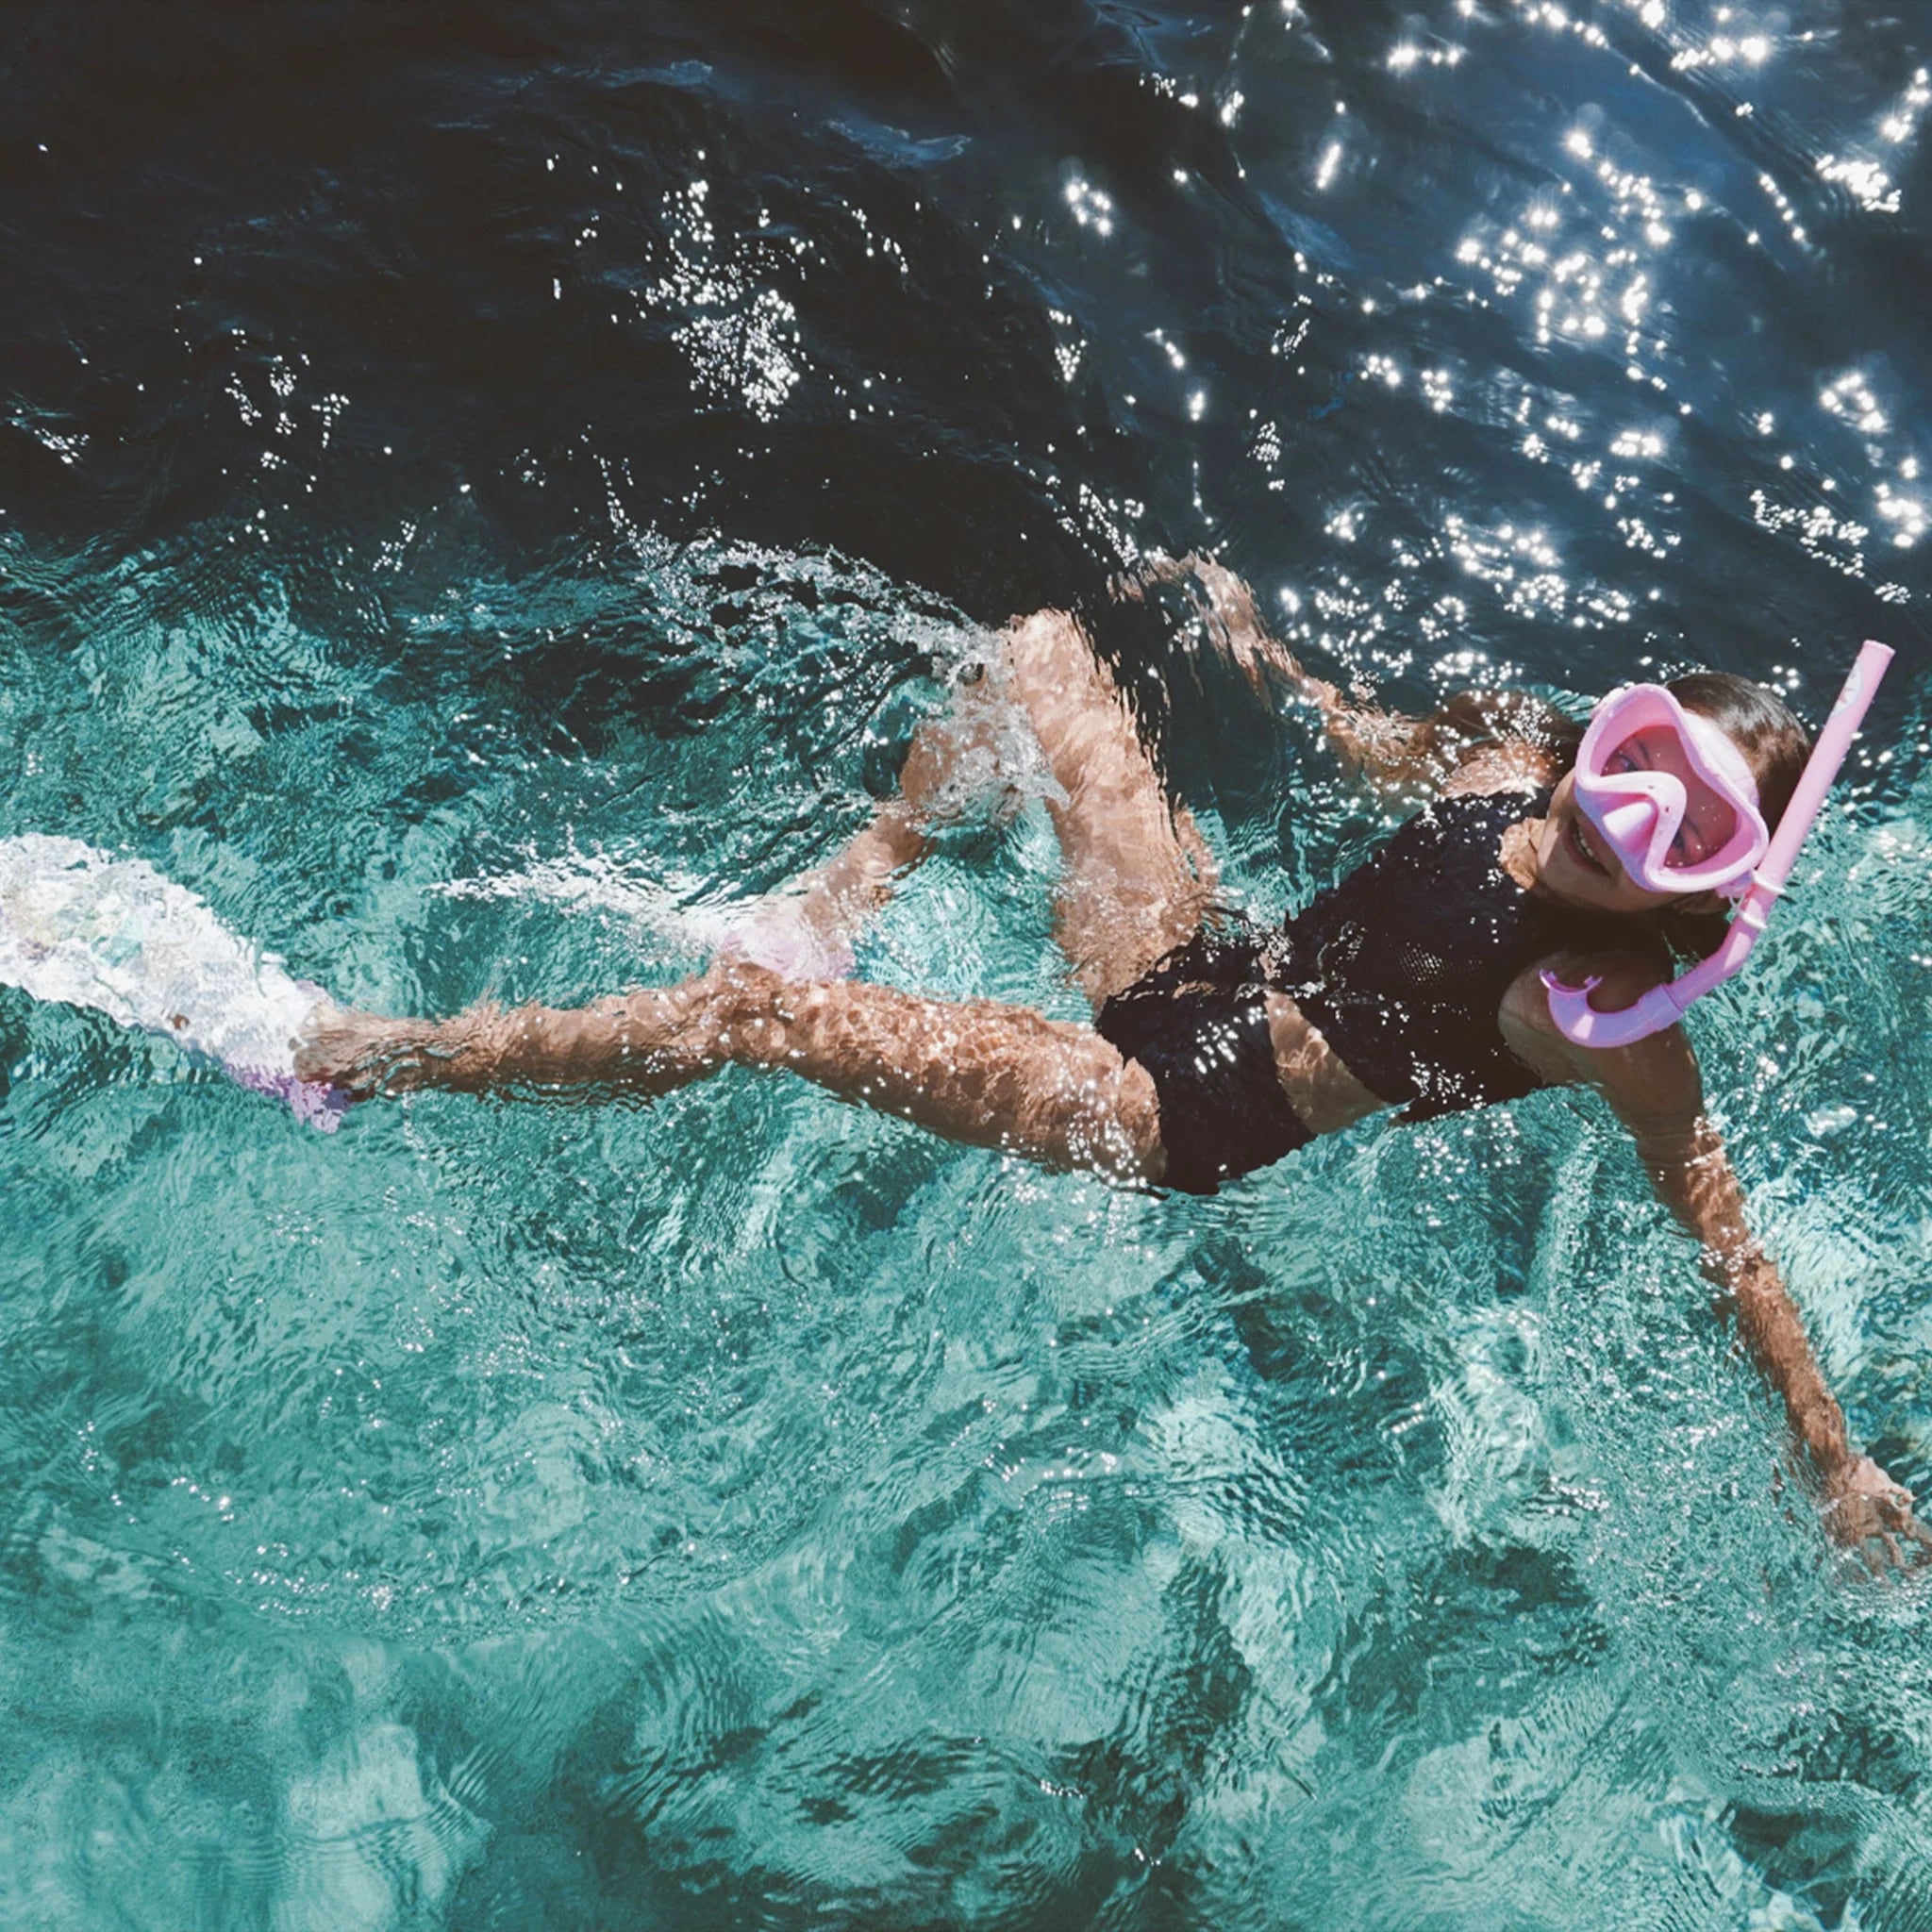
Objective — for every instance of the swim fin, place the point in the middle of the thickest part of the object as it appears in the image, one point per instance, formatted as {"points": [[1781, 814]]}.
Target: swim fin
{"points": [[111, 933]]}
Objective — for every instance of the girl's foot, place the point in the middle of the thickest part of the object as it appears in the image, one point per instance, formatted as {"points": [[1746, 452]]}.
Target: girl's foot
{"points": [[797, 936], [360, 1055], [88, 929]]}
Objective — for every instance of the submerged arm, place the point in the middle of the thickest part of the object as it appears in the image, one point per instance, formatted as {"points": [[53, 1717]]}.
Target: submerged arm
{"points": [[1393, 751], [1655, 1088], [1685, 1158], [1379, 745]]}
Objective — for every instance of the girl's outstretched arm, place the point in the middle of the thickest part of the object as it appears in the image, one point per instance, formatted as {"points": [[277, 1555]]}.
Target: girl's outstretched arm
{"points": [[1655, 1088], [1686, 1159], [975, 1071]]}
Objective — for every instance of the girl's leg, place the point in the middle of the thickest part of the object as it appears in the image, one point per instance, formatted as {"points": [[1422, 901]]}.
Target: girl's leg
{"points": [[808, 931], [1139, 876], [975, 1071]]}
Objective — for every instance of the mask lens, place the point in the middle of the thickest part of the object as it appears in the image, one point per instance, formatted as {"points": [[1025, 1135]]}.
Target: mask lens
{"points": [[1707, 827], [1627, 756]]}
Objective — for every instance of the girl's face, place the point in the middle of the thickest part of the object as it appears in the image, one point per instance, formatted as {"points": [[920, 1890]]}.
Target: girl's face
{"points": [[1574, 862]]}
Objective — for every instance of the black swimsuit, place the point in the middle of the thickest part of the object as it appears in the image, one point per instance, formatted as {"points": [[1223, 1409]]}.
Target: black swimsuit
{"points": [[1402, 968]]}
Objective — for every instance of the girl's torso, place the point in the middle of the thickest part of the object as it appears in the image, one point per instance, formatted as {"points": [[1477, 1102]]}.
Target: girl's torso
{"points": [[1401, 969], [1386, 990]]}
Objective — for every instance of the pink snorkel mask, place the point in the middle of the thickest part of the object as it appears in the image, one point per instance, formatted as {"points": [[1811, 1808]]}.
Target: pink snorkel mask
{"points": [[1640, 813], [1670, 837]]}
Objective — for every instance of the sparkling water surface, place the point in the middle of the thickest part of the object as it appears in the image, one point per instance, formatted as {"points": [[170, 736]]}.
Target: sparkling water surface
{"points": [[484, 492]]}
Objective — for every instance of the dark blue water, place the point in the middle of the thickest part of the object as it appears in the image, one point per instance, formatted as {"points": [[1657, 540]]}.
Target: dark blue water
{"points": [[470, 476]]}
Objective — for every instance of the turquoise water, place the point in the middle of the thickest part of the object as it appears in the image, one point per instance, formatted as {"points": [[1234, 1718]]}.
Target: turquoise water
{"points": [[743, 1510]]}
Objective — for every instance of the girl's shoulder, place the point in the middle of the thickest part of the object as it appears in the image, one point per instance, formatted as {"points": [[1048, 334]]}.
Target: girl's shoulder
{"points": [[1624, 974]]}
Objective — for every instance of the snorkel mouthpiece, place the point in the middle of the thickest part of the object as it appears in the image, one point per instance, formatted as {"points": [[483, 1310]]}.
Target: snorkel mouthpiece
{"points": [[1664, 1006]]}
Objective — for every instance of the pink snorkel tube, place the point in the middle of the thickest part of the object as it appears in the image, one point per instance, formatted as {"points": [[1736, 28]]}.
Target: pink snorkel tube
{"points": [[1664, 1006]]}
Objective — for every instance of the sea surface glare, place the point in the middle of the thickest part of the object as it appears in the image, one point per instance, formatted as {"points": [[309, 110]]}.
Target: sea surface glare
{"points": [[487, 491]]}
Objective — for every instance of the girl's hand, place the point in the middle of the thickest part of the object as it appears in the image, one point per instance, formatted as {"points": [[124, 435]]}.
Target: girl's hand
{"points": [[1866, 1511], [1226, 605]]}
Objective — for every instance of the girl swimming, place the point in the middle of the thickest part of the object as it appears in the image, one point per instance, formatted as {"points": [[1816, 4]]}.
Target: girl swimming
{"points": [[1217, 1046]]}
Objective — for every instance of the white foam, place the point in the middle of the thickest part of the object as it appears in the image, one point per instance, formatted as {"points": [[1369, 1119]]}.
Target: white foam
{"points": [[769, 931]]}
